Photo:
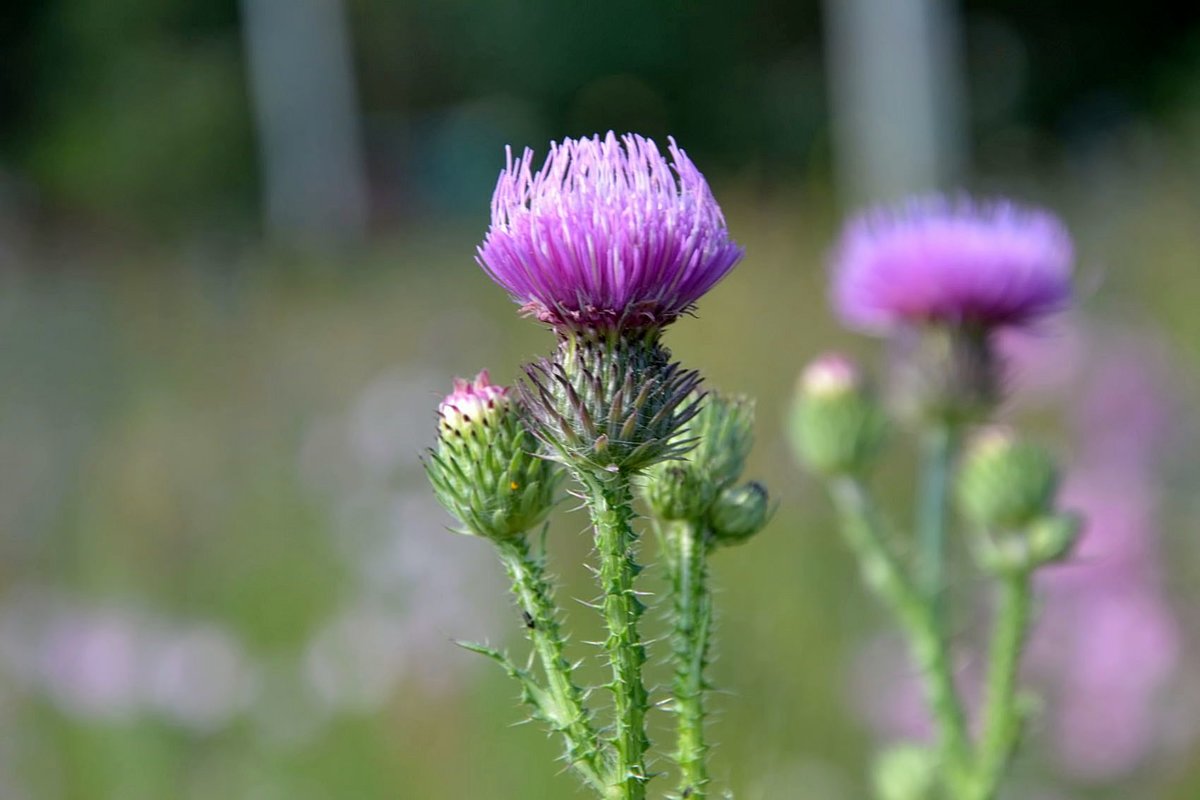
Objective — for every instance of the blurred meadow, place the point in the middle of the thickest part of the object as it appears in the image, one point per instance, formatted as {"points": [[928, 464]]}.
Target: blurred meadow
{"points": [[237, 276]]}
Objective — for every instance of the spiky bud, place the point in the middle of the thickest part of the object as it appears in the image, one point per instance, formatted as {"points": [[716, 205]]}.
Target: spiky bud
{"points": [[722, 434], [1005, 484], [739, 512], [610, 402], [675, 490], [836, 426], [485, 468]]}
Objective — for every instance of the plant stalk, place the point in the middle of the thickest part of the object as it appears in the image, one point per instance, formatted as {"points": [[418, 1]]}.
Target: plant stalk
{"points": [[565, 709], [688, 558], [882, 572], [938, 449], [1002, 714], [609, 499]]}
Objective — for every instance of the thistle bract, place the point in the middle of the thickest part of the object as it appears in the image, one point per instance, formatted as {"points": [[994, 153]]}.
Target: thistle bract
{"points": [[485, 468], [610, 404], [606, 235], [978, 264]]}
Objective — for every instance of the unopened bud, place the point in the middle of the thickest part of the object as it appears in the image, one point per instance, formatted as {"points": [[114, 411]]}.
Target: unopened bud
{"points": [[1005, 484], [1053, 538], [485, 469], [739, 512], [677, 490], [836, 426], [724, 433]]}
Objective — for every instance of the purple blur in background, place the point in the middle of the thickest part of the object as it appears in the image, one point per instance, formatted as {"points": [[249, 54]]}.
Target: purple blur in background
{"points": [[988, 263]]}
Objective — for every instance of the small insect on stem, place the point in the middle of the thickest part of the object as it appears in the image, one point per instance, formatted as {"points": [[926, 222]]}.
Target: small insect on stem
{"points": [[529, 621]]}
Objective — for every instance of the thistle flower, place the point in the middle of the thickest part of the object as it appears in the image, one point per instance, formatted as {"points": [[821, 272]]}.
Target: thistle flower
{"points": [[486, 470], [986, 265], [606, 235]]}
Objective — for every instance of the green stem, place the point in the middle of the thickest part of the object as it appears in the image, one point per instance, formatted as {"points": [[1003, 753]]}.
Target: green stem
{"points": [[882, 573], [1002, 714], [564, 710], [688, 553], [610, 500], [938, 449]]}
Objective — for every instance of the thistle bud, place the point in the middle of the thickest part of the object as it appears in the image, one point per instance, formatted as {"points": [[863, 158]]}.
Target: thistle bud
{"points": [[906, 772], [1053, 538], [836, 426], [739, 512], [605, 402], [1005, 484], [677, 490], [1044, 541], [722, 434], [485, 469]]}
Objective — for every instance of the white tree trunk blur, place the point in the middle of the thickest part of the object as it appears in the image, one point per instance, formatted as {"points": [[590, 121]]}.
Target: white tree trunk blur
{"points": [[896, 80], [302, 88]]}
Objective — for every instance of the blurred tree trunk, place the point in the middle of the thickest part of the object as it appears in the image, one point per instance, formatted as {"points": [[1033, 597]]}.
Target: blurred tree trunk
{"points": [[896, 73], [302, 89]]}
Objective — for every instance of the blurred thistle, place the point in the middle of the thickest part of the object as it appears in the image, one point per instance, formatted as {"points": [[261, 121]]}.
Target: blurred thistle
{"points": [[485, 469], [836, 425], [941, 277]]}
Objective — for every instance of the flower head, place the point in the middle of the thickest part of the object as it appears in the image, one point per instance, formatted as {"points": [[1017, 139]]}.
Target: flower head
{"points": [[607, 234], [988, 264]]}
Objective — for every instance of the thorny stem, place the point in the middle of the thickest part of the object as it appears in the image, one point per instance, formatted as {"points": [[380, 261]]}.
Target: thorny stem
{"points": [[687, 556], [609, 499], [882, 572], [1002, 713], [564, 709]]}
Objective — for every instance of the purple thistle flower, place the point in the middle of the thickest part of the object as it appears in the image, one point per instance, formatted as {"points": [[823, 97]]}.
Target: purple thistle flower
{"points": [[986, 264], [607, 234]]}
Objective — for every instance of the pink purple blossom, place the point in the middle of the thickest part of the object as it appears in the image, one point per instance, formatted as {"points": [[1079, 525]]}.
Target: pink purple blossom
{"points": [[606, 234], [959, 262]]}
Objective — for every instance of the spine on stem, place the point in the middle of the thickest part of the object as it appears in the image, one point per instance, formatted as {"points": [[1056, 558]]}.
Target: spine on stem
{"points": [[690, 641], [564, 709], [610, 502]]}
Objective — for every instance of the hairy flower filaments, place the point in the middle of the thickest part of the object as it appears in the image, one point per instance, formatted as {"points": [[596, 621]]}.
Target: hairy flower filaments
{"points": [[607, 234]]}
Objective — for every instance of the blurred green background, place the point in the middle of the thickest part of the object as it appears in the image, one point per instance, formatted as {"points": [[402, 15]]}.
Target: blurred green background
{"points": [[236, 277]]}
